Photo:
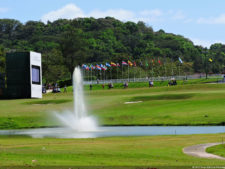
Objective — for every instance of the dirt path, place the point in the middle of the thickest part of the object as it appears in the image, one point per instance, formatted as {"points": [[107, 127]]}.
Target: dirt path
{"points": [[199, 151]]}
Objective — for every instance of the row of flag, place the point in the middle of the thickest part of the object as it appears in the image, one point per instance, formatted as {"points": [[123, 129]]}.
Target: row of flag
{"points": [[124, 63], [107, 65]]}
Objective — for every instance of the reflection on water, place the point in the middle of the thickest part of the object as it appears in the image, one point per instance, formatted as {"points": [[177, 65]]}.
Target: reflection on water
{"points": [[116, 131]]}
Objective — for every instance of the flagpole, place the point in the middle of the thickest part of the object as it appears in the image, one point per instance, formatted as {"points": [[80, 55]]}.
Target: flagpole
{"points": [[122, 70], [91, 75], [179, 69], [100, 74], [117, 73], [128, 72], [104, 76], [111, 73]]}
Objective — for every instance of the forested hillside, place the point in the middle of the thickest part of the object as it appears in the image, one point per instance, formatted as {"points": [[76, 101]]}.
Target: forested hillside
{"points": [[67, 43]]}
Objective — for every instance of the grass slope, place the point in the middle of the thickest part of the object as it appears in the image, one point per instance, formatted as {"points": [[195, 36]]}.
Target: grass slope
{"points": [[195, 104], [114, 151], [218, 150]]}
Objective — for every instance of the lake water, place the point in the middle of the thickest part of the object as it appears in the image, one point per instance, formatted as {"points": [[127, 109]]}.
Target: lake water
{"points": [[115, 131]]}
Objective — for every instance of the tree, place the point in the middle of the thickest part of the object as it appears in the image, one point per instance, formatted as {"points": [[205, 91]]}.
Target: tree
{"points": [[52, 65], [2, 60], [74, 48]]}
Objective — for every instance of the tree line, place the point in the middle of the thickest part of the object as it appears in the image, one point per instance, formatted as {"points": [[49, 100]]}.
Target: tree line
{"points": [[65, 44]]}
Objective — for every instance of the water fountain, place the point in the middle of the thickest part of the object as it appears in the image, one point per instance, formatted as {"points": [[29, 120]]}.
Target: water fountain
{"points": [[78, 120]]}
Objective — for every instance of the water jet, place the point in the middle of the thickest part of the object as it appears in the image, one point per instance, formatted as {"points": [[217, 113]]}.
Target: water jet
{"points": [[78, 119]]}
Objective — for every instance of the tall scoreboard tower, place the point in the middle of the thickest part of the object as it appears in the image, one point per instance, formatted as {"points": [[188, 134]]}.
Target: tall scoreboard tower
{"points": [[23, 75]]}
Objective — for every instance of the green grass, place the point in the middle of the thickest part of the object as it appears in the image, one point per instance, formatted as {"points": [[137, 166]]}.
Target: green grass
{"points": [[163, 97], [218, 150], [193, 104], [58, 101], [156, 84], [114, 151]]}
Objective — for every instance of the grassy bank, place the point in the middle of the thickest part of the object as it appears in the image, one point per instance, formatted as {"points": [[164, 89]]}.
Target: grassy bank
{"points": [[115, 151], [218, 150], [156, 84], [193, 104]]}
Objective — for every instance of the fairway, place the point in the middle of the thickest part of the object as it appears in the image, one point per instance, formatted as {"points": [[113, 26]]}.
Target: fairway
{"points": [[199, 104], [114, 151]]}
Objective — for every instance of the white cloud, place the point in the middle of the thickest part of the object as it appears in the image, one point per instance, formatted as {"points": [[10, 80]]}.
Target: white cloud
{"points": [[148, 16], [212, 20], [206, 43], [72, 11], [69, 11], [152, 13], [120, 14], [3, 10], [178, 15]]}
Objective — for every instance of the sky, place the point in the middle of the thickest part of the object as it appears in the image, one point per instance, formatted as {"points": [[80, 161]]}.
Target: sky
{"points": [[202, 21]]}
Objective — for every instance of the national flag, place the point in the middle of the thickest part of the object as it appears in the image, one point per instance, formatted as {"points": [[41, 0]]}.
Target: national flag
{"points": [[92, 67], [107, 64], [104, 68], [118, 65], [210, 60], [130, 63], [87, 68], [98, 67], [180, 60], [101, 65], [124, 63], [135, 64], [84, 66], [113, 64]]}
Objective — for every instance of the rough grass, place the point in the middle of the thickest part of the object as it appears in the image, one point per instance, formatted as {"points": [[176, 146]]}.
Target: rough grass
{"points": [[218, 150], [115, 151], [195, 104], [57, 101]]}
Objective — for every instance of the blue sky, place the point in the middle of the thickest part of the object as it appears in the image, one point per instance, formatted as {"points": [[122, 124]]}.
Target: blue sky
{"points": [[202, 21]]}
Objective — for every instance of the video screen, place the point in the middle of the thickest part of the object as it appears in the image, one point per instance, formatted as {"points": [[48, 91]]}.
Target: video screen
{"points": [[36, 75]]}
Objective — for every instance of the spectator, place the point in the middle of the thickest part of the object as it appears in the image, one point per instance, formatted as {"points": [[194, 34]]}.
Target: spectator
{"points": [[65, 89], [126, 84], [150, 83], [43, 89], [112, 85], [91, 86]]}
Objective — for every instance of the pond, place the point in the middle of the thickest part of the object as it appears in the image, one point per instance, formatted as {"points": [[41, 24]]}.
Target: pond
{"points": [[115, 131]]}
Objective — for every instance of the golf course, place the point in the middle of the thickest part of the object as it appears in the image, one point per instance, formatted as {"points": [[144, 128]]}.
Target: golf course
{"points": [[181, 105], [184, 105], [112, 84], [114, 151]]}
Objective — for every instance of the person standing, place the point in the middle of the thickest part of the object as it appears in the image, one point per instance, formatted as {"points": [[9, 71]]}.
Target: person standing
{"points": [[65, 89], [91, 86]]}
